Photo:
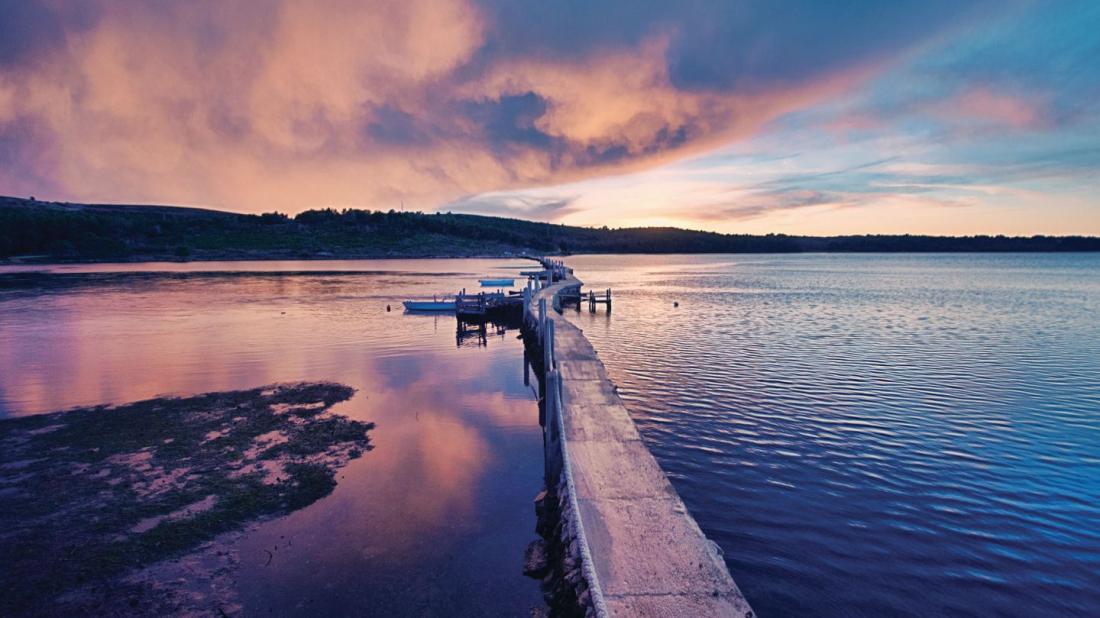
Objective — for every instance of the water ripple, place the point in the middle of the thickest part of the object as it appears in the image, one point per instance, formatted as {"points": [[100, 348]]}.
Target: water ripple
{"points": [[873, 435]]}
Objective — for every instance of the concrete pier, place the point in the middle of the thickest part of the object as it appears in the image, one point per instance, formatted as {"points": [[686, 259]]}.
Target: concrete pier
{"points": [[641, 552]]}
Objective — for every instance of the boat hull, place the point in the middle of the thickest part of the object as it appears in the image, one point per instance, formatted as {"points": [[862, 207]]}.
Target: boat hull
{"points": [[497, 282], [415, 305]]}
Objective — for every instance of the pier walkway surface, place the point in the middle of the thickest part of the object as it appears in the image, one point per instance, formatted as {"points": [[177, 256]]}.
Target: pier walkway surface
{"points": [[643, 553]]}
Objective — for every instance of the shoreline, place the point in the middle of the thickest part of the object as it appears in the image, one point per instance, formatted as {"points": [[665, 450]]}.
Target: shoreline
{"points": [[28, 261]]}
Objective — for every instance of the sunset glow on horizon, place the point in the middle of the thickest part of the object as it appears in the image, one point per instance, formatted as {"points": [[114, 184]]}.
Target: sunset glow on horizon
{"points": [[943, 117]]}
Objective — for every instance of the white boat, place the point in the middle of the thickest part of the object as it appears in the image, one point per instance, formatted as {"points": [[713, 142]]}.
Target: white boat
{"points": [[429, 305], [497, 282]]}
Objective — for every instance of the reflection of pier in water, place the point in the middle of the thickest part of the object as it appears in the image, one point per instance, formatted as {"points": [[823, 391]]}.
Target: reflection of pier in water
{"points": [[477, 333]]}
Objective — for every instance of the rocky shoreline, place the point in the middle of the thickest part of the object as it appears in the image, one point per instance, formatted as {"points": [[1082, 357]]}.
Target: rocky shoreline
{"points": [[555, 559]]}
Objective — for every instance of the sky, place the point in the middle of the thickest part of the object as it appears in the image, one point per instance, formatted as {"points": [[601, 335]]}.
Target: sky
{"points": [[748, 116]]}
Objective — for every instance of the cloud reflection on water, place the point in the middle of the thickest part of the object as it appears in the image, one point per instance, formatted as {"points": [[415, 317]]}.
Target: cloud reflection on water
{"points": [[457, 445]]}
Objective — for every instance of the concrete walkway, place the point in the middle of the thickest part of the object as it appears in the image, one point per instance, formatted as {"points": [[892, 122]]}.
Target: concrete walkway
{"points": [[649, 557]]}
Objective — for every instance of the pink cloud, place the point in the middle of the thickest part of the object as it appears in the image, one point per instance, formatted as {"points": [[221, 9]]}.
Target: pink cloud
{"points": [[853, 122], [983, 104], [268, 105]]}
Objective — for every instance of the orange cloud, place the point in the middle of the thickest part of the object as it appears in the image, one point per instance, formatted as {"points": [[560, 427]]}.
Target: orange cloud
{"points": [[280, 105]]}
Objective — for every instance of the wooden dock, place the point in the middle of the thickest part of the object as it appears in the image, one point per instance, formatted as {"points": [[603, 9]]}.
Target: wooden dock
{"points": [[579, 297], [480, 306], [641, 553]]}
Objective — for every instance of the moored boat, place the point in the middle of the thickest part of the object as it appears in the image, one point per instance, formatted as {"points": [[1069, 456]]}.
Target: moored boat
{"points": [[497, 282], [429, 305]]}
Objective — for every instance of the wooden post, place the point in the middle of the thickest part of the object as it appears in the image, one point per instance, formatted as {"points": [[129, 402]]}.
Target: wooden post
{"points": [[609, 300], [548, 346], [542, 321], [555, 399], [551, 404], [548, 396]]}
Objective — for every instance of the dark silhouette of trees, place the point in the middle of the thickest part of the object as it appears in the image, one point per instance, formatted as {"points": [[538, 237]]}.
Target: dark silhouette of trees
{"points": [[105, 232]]}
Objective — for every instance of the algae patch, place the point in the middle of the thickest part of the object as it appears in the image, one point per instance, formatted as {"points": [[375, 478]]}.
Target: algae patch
{"points": [[91, 494]]}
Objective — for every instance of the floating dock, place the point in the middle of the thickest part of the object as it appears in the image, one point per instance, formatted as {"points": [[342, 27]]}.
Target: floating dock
{"points": [[640, 553]]}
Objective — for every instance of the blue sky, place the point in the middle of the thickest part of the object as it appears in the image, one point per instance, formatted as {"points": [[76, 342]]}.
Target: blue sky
{"points": [[993, 128]]}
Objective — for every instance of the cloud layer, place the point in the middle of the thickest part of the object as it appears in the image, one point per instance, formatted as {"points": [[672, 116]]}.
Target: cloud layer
{"points": [[262, 104], [989, 128]]}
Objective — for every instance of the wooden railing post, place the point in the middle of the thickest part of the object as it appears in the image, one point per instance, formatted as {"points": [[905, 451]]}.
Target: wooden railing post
{"points": [[548, 346], [542, 321], [552, 410], [553, 404]]}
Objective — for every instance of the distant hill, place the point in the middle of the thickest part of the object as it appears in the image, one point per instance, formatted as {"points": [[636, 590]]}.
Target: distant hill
{"points": [[95, 232]]}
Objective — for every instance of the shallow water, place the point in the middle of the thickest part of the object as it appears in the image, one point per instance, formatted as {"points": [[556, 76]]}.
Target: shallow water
{"points": [[432, 522], [873, 435]]}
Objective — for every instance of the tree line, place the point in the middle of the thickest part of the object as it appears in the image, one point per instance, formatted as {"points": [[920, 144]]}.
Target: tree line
{"points": [[105, 232]]}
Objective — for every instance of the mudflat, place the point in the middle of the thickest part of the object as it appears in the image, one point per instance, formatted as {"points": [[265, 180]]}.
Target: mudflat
{"points": [[133, 509]]}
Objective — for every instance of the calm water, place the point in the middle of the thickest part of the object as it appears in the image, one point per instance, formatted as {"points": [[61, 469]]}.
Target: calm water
{"points": [[432, 522], [873, 435]]}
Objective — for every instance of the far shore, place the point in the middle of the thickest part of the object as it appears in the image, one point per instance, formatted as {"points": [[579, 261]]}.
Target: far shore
{"points": [[49, 260], [46, 260], [33, 231]]}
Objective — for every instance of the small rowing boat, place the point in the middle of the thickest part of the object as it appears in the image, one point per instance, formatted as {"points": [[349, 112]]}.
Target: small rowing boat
{"points": [[497, 282], [429, 305]]}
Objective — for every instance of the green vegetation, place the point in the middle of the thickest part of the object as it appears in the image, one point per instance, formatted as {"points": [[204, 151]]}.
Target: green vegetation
{"points": [[90, 494], [66, 232]]}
